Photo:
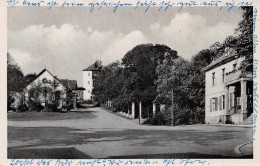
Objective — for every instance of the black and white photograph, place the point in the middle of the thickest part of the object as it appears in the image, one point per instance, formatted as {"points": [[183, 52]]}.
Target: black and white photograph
{"points": [[130, 83]]}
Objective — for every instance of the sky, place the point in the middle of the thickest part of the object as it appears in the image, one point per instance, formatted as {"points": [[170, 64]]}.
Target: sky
{"points": [[68, 40]]}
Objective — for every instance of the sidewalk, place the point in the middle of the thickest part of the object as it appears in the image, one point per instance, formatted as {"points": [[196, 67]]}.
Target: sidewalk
{"points": [[246, 149]]}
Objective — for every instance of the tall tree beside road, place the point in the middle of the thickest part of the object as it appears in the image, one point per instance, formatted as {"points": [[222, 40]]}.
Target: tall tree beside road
{"points": [[143, 61], [245, 38]]}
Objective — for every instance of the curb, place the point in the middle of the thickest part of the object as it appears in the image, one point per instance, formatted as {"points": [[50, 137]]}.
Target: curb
{"points": [[237, 149]]}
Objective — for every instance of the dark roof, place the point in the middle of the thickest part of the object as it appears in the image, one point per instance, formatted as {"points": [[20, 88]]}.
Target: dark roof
{"points": [[70, 84], [220, 61], [97, 66], [41, 74]]}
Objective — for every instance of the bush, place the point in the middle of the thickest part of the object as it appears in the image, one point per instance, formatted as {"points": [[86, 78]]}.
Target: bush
{"points": [[10, 100], [52, 108], [22, 108], [35, 106], [158, 119]]}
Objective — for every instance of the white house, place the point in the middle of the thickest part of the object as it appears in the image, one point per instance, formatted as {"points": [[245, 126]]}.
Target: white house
{"points": [[228, 94], [89, 76], [38, 88]]}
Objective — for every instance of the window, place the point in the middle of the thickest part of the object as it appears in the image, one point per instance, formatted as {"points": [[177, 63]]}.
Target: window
{"points": [[213, 79], [88, 91], [89, 82], [88, 74], [222, 102], [214, 104], [223, 75], [234, 66]]}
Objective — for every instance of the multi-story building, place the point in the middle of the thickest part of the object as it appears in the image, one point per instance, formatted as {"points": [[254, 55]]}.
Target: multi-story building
{"points": [[89, 76], [228, 91]]}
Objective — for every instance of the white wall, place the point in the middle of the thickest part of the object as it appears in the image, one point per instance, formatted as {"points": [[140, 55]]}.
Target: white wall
{"points": [[87, 84], [218, 89], [39, 80]]}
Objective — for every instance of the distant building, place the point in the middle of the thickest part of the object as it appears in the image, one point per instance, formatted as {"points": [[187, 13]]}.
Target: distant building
{"points": [[80, 91], [89, 76], [228, 93]]}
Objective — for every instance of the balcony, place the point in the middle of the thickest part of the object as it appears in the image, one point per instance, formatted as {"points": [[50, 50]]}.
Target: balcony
{"points": [[235, 75]]}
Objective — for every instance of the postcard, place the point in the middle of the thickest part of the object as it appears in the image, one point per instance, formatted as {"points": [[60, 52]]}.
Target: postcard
{"points": [[129, 82]]}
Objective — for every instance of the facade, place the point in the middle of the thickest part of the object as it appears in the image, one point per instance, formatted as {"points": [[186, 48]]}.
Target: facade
{"points": [[89, 76], [39, 89], [228, 93]]}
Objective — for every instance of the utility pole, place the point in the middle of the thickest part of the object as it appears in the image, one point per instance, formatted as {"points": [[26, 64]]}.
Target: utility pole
{"points": [[173, 121]]}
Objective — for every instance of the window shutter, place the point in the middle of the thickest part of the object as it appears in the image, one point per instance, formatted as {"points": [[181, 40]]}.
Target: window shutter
{"points": [[223, 98], [216, 104], [220, 102]]}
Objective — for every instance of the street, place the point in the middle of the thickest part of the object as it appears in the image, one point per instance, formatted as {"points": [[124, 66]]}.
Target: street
{"points": [[109, 136]]}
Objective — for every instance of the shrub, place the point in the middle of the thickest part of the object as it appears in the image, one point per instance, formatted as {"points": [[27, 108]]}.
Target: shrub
{"points": [[10, 100], [22, 107], [35, 106], [52, 108], [157, 119]]}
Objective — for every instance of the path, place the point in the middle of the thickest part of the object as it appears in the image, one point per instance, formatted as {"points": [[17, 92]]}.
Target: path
{"points": [[109, 136]]}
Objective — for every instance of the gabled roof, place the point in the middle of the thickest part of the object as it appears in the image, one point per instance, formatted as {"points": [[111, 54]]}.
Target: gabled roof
{"points": [[70, 84], [44, 70], [221, 60], [97, 66]]}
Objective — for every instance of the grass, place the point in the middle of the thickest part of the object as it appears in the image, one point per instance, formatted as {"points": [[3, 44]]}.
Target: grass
{"points": [[30, 116]]}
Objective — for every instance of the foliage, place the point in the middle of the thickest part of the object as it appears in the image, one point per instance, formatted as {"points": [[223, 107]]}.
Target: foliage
{"points": [[35, 106], [22, 107], [158, 119], [51, 107], [134, 79], [15, 80], [10, 100], [39, 92]]}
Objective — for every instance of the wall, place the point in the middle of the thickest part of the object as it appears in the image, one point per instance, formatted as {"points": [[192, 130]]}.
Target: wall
{"points": [[39, 80], [217, 90], [87, 84]]}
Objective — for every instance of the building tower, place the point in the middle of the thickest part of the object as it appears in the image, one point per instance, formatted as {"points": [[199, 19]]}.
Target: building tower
{"points": [[89, 76]]}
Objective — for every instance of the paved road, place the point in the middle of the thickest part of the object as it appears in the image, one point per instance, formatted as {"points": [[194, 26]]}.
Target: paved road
{"points": [[110, 136]]}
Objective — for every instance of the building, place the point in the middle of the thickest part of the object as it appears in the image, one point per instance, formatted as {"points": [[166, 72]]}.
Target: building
{"points": [[228, 91], [80, 91], [89, 76], [45, 88]]}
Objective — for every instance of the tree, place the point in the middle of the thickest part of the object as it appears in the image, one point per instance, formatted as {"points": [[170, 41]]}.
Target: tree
{"points": [[29, 77], [143, 61], [134, 79], [245, 38], [15, 80]]}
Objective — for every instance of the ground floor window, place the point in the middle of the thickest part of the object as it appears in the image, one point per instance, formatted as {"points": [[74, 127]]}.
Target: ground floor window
{"points": [[213, 104], [222, 102]]}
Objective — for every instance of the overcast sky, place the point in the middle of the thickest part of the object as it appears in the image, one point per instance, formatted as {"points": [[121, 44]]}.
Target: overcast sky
{"points": [[68, 40]]}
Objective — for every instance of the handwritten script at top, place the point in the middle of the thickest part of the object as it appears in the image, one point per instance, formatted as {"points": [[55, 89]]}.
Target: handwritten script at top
{"points": [[163, 5]]}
